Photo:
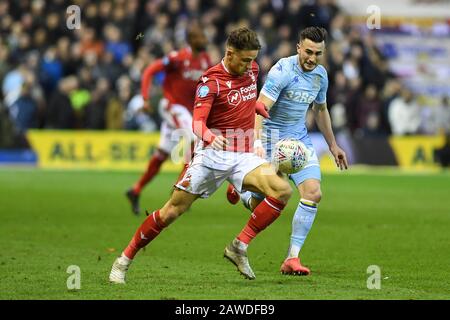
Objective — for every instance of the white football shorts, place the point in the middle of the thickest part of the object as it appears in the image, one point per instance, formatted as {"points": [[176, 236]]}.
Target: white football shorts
{"points": [[210, 168], [177, 123]]}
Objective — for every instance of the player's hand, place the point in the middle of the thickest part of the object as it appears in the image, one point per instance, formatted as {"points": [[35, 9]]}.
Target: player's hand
{"points": [[258, 149], [261, 109], [219, 143], [339, 157], [147, 107], [260, 152]]}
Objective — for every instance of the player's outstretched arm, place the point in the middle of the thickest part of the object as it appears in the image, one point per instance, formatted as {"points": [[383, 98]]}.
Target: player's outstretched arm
{"points": [[323, 121], [147, 79]]}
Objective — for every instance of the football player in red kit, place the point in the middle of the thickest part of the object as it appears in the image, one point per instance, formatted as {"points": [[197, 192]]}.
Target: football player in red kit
{"points": [[182, 70], [223, 120]]}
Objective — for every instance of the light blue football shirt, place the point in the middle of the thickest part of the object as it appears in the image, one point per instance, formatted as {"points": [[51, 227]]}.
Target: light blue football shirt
{"points": [[293, 90]]}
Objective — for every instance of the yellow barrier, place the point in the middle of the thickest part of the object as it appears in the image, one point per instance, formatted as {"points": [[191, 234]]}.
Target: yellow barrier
{"points": [[103, 150], [121, 150], [416, 152]]}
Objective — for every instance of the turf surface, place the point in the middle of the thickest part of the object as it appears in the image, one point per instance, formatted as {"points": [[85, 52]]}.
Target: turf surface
{"points": [[51, 220]]}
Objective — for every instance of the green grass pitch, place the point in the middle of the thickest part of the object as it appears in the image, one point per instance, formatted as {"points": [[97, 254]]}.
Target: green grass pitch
{"points": [[53, 219]]}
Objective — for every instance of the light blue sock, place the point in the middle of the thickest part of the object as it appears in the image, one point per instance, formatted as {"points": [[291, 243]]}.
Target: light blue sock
{"points": [[245, 197], [301, 224]]}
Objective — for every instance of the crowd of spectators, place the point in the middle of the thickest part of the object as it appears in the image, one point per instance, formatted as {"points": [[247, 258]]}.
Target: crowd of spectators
{"points": [[56, 77]]}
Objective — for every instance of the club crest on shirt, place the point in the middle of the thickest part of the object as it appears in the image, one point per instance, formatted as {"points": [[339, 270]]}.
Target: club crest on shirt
{"points": [[202, 91], [250, 73], [234, 97]]}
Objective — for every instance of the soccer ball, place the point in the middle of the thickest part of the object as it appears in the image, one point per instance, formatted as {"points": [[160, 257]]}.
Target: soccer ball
{"points": [[290, 155]]}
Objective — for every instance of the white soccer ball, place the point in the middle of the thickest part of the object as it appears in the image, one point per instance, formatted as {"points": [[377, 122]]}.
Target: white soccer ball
{"points": [[290, 155]]}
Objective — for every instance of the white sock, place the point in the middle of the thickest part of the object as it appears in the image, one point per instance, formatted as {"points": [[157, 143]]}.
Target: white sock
{"points": [[240, 245], [123, 259], [301, 224]]}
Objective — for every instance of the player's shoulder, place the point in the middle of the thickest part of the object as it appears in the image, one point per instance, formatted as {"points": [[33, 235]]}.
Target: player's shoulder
{"points": [[214, 71], [185, 53], [285, 65], [320, 70], [210, 75]]}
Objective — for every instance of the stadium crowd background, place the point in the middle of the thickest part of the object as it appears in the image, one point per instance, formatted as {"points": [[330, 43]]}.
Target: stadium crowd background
{"points": [[88, 78]]}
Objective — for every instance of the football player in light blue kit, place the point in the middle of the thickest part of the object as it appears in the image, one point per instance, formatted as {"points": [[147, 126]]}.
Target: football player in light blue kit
{"points": [[291, 86]]}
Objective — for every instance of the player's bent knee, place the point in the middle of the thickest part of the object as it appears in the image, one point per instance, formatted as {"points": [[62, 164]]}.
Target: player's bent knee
{"points": [[313, 195], [282, 191]]}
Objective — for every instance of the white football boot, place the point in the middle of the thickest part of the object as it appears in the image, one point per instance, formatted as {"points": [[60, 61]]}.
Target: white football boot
{"points": [[239, 258], [119, 270]]}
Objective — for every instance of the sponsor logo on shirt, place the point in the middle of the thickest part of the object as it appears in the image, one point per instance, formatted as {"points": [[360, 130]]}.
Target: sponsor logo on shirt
{"points": [[249, 92], [302, 97], [234, 97], [243, 94]]}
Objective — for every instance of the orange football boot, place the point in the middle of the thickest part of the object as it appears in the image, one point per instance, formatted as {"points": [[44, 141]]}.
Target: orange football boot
{"points": [[293, 266]]}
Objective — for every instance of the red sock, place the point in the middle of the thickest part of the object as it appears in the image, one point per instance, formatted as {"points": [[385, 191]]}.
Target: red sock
{"points": [[264, 214], [152, 169], [148, 231]]}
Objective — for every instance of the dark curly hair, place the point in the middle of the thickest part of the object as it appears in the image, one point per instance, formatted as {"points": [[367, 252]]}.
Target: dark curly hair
{"points": [[315, 34]]}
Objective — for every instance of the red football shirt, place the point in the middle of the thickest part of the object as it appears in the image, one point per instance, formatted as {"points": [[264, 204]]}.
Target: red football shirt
{"points": [[182, 73], [232, 101]]}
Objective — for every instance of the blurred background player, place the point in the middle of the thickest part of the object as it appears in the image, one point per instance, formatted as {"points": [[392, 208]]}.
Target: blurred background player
{"points": [[224, 120], [292, 85], [182, 70]]}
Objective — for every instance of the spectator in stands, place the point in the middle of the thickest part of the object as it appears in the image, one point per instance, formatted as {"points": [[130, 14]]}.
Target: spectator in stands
{"points": [[51, 71], [115, 43], [114, 35], [443, 154], [24, 110], [353, 95], [390, 91], [94, 113], [404, 114], [60, 113], [89, 42], [442, 117], [368, 110]]}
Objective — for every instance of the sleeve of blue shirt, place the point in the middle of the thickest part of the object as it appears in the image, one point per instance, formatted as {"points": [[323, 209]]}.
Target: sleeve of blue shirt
{"points": [[277, 80], [322, 95]]}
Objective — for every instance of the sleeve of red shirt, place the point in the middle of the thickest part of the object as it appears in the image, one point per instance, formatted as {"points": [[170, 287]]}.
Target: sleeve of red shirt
{"points": [[147, 77], [154, 68], [204, 99]]}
